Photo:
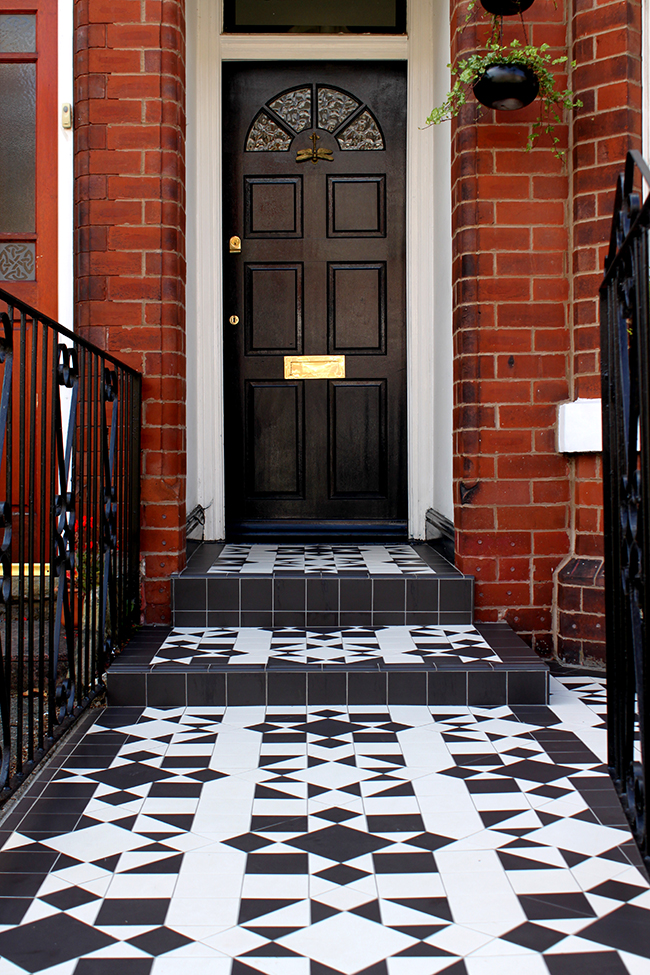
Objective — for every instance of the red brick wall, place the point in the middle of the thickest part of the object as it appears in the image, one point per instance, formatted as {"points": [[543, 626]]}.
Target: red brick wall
{"points": [[530, 234], [512, 349], [607, 48], [130, 240]]}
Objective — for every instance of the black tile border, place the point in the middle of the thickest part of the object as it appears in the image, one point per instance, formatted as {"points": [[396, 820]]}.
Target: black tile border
{"points": [[483, 686], [390, 600]]}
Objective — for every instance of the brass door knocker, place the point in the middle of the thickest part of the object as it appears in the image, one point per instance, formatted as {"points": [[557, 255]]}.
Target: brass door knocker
{"points": [[314, 154]]}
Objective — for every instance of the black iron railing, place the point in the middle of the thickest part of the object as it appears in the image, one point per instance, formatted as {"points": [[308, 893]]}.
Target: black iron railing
{"points": [[625, 364], [69, 526]]}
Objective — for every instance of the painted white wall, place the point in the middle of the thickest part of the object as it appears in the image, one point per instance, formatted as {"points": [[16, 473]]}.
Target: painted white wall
{"points": [[443, 498], [65, 156], [428, 245]]}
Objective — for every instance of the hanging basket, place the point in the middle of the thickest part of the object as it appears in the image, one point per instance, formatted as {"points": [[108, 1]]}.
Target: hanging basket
{"points": [[506, 8], [506, 87]]}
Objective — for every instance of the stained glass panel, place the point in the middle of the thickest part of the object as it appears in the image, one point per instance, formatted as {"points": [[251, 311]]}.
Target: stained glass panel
{"points": [[315, 16]]}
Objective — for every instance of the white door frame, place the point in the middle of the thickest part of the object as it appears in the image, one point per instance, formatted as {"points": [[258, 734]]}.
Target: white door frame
{"points": [[428, 251]]}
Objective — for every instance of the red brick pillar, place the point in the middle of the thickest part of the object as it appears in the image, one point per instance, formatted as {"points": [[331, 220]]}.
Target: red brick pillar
{"points": [[511, 345], [130, 241], [607, 78]]}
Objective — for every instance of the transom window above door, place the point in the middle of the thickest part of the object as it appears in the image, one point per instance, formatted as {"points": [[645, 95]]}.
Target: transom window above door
{"points": [[315, 16], [314, 106]]}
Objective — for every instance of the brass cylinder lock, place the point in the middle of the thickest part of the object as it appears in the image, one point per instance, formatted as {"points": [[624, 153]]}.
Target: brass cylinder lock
{"points": [[234, 319], [235, 245]]}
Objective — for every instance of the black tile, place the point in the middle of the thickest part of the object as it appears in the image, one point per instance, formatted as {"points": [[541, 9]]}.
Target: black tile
{"points": [[270, 863], [407, 688], [223, 594], [422, 595], [107, 966], [404, 863], [448, 687], [486, 688], [594, 962], [125, 689], [118, 910], [165, 689], [380, 618], [190, 618], [20, 884], [389, 595], [366, 688], [256, 594], [323, 595], [189, 594], [315, 618], [357, 618], [456, 595], [396, 823], [289, 618], [527, 687], [289, 594], [52, 822], [256, 618], [289, 689], [422, 619], [626, 929], [50, 941], [206, 690], [159, 941], [542, 907], [455, 619], [356, 595], [223, 617], [13, 909], [327, 688], [245, 689]]}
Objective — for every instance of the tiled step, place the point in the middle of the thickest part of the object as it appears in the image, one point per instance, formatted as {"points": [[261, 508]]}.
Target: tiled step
{"points": [[323, 585], [430, 665]]}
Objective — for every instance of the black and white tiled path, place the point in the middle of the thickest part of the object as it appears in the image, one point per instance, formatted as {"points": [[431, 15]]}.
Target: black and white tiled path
{"points": [[260, 559], [394, 840], [389, 645]]}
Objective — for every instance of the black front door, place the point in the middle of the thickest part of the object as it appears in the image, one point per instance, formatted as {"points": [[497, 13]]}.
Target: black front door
{"points": [[314, 189]]}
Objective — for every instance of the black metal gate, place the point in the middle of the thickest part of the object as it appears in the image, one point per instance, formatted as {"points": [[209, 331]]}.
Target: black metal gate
{"points": [[69, 527], [625, 365]]}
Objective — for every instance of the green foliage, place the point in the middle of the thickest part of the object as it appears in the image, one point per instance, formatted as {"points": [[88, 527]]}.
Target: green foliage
{"points": [[553, 103]]}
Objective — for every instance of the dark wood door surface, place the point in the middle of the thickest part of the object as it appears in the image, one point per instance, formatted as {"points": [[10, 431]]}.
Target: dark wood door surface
{"points": [[314, 186]]}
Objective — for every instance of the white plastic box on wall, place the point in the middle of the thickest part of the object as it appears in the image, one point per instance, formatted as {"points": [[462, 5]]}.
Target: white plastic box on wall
{"points": [[579, 427]]}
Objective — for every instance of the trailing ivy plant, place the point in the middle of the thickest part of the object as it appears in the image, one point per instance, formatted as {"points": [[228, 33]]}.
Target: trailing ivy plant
{"points": [[553, 102]]}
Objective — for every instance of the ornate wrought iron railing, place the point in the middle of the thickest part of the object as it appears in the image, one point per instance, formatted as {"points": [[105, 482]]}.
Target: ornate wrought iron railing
{"points": [[625, 365], [69, 526]]}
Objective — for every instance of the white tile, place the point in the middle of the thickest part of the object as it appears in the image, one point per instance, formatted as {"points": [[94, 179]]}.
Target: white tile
{"points": [[417, 966], [203, 910], [410, 885], [345, 898], [207, 885], [235, 941], [346, 942], [96, 842], [458, 939], [200, 966], [634, 963], [281, 966], [542, 881], [575, 834], [512, 965], [468, 901], [143, 885]]}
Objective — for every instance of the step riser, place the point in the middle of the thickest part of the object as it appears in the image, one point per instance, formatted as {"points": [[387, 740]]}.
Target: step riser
{"points": [[302, 601], [478, 688]]}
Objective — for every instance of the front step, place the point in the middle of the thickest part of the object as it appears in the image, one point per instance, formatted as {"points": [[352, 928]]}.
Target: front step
{"points": [[320, 585], [431, 665]]}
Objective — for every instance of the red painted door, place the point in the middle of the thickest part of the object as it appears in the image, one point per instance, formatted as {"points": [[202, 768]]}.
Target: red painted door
{"points": [[29, 120]]}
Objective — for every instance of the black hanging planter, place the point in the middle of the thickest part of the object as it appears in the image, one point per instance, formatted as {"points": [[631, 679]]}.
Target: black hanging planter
{"points": [[506, 8], [506, 87]]}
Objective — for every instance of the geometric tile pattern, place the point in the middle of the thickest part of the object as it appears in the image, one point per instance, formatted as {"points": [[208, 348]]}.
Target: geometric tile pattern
{"points": [[392, 840], [389, 645], [320, 559]]}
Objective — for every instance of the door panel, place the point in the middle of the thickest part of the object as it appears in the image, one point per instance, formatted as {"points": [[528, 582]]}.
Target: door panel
{"points": [[314, 158]]}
